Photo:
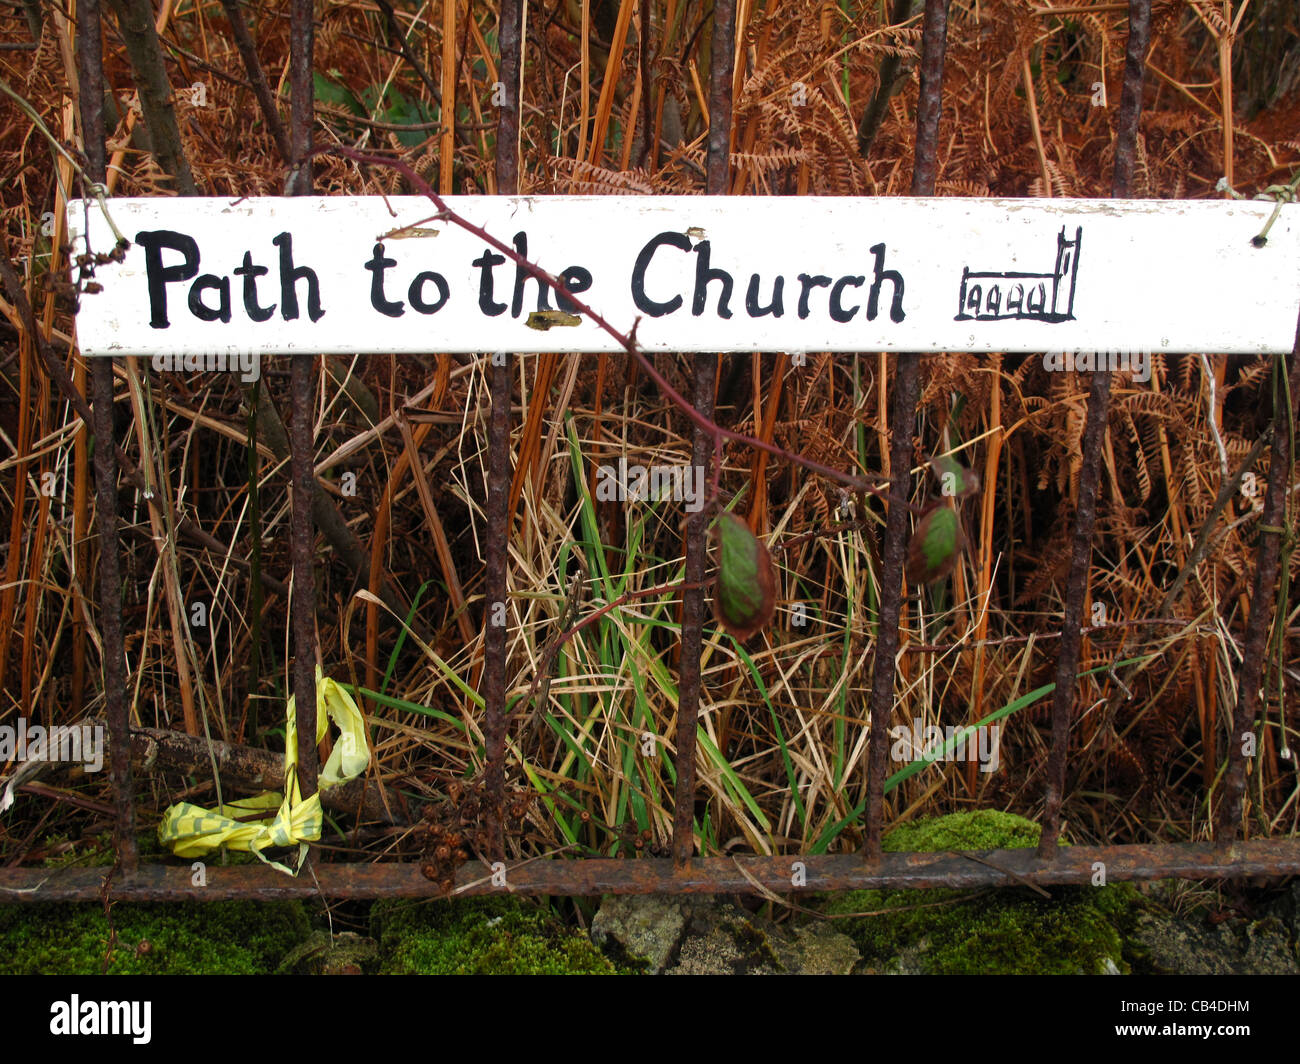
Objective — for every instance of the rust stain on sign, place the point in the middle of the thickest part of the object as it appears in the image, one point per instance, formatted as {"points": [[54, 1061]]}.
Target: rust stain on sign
{"points": [[551, 319]]}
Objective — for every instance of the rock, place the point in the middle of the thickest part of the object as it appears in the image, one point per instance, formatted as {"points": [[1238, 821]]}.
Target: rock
{"points": [[704, 936], [819, 950], [641, 929], [1286, 907], [1235, 947], [723, 939], [345, 954]]}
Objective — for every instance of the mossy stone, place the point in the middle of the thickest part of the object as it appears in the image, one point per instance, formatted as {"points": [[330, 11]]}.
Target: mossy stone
{"points": [[505, 936], [643, 931], [1165, 945], [996, 932], [346, 953], [208, 938], [723, 939]]}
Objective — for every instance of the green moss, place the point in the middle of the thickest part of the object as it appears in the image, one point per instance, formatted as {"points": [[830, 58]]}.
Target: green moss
{"points": [[96, 851], [209, 938], [87, 852], [1000, 932], [985, 829], [481, 937]]}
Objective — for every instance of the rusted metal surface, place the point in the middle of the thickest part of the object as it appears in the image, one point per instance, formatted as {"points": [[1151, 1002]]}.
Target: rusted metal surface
{"points": [[302, 533], [511, 45], [934, 44], [496, 613], [496, 532], [721, 65], [302, 42], [688, 690], [1067, 664], [1263, 598], [301, 547], [116, 707], [902, 420], [717, 183], [1130, 107], [711, 875], [649, 149], [90, 74], [116, 710], [1076, 590]]}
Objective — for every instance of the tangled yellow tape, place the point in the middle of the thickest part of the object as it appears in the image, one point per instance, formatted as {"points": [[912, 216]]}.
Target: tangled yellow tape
{"points": [[191, 831]]}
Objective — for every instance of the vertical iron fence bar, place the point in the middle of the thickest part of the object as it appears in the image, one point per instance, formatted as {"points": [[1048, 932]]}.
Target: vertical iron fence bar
{"points": [[301, 394], [688, 692], [902, 422], [1130, 104], [496, 534], [717, 183], [90, 63], [302, 88], [721, 70], [507, 146], [1067, 664], [1263, 596], [1076, 591], [495, 613], [934, 45]]}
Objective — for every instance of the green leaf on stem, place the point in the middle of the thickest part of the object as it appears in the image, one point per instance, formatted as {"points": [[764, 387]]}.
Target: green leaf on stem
{"points": [[955, 480], [745, 595], [935, 546]]}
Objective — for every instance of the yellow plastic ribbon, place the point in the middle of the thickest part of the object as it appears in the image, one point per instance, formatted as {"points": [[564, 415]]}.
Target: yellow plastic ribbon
{"points": [[191, 831]]}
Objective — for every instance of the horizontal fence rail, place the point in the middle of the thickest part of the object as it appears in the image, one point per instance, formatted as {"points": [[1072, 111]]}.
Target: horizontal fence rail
{"points": [[766, 876]]}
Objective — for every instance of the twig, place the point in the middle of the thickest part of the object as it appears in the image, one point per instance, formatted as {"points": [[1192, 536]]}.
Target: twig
{"points": [[135, 20], [892, 76], [542, 692], [1006, 872], [96, 189], [1209, 416], [257, 78]]}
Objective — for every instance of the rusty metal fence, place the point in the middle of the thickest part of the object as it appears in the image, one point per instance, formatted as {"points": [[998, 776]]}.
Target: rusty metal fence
{"points": [[682, 872]]}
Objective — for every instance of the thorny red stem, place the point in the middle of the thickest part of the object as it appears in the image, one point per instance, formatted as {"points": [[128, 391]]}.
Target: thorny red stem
{"points": [[625, 340]]}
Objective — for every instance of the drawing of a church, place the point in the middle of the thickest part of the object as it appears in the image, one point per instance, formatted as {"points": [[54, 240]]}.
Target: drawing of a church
{"points": [[1011, 295]]}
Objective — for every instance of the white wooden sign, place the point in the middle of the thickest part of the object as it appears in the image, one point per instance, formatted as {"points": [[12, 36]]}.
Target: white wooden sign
{"points": [[341, 275]]}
